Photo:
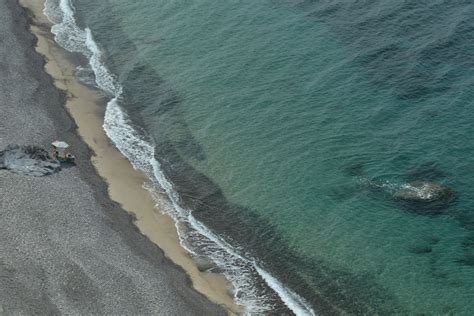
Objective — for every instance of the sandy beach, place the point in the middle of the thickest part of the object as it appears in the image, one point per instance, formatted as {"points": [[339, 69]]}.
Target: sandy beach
{"points": [[72, 242]]}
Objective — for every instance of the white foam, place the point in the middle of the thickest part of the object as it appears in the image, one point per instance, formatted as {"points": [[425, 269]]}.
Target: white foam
{"points": [[239, 270], [66, 32], [294, 302], [389, 187], [104, 77], [52, 11], [125, 137], [425, 192]]}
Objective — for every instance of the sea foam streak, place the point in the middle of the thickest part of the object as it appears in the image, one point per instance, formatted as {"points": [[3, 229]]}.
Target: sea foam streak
{"points": [[194, 236]]}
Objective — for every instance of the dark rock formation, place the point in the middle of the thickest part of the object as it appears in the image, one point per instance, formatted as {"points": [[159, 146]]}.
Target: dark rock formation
{"points": [[425, 194], [28, 160]]}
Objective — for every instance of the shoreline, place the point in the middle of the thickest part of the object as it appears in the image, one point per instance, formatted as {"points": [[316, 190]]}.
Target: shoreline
{"points": [[126, 186]]}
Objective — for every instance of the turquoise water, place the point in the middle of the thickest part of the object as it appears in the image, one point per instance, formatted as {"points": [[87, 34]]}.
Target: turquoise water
{"points": [[287, 127]]}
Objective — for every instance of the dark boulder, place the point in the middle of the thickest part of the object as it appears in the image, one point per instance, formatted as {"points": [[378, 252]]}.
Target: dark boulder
{"points": [[28, 160], [206, 265], [425, 194]]}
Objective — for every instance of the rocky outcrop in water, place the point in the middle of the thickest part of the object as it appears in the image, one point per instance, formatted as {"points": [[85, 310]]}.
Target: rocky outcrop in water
{"points": [[419, 191], [425, 193], [28, 160]]}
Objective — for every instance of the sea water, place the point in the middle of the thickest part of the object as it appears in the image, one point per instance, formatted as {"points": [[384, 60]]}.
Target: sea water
{"points": [[282, 132]]}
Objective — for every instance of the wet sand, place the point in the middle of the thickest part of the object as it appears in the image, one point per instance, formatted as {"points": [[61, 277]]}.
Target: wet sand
{"points": [[66, 246]]}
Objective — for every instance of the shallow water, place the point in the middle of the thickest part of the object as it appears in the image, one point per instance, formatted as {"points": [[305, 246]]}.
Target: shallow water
{"points": [[282, 131]]}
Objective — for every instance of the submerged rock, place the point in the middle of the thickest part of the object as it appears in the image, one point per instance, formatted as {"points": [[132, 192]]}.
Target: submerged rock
{"points": [[206, 265], [425, 193], [28, 160]]}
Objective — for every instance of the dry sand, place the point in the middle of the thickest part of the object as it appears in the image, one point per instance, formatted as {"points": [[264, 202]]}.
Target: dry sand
{"points": [[125, 184]]}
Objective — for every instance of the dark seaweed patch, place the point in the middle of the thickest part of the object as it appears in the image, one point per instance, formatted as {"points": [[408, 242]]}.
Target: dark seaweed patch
{"points": [[467, 260], [355, 169], [381, 42], [420, 249], [424, 246], [426, 171], [468, 241]]}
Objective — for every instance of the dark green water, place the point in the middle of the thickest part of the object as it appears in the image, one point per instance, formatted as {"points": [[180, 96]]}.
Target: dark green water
{"points": [[287, 128]]}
